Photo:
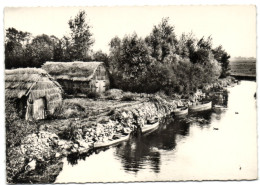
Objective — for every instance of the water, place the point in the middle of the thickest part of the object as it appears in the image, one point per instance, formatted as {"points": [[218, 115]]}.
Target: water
{"points": [[223, 148]]}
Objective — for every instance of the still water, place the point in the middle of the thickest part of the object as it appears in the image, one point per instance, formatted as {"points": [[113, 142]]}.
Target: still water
{"points": [[223, 148]]}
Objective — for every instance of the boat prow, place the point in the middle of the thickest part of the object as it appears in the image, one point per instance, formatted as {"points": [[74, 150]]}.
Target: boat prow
{"points": [[201, 107], [111, 142], [180, 111], [150, 127]]}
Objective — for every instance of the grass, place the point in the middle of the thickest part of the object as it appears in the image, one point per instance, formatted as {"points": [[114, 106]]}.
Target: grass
{"points": [[87, 108], [243, 68]]}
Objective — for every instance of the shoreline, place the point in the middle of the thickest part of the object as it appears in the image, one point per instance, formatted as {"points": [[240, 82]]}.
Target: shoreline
{"points": [[42, 151]]}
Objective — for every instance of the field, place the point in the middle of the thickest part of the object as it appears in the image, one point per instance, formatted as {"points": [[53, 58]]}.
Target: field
{"points": [[243, 67]]}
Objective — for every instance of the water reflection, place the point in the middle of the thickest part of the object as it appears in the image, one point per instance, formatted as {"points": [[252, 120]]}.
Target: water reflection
{"points": [[73, 158], [181, 149], [143, 150]]}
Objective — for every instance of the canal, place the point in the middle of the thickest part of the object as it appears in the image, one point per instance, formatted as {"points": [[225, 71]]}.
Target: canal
{"points": [[221, 148]]}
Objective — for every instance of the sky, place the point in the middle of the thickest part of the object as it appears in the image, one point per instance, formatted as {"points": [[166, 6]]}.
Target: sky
{"points": [[233, 27]]}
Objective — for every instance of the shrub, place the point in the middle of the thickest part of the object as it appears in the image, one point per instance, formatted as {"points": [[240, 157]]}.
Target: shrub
{"points": [[114, 94], [93, 95], [16, 128], [128, 97], [162, 95], [72, 109], [69, 132]]}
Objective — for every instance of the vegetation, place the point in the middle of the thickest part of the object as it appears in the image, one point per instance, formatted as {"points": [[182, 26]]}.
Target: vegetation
{"points": [[243, 67], [23, 50], [16, 128], [128, 97], [159, 62], [162, 62], [93, 95], [81, 37]]}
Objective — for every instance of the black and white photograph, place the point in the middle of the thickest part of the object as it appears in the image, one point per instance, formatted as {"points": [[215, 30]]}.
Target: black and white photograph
{"points": [[130, 94]]}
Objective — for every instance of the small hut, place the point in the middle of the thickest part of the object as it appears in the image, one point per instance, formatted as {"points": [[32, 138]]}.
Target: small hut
{"points": [[79, 77], [36, 93]]}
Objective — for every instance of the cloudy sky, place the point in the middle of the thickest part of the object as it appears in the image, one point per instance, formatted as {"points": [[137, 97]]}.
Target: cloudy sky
{"points": [[233, 27]]}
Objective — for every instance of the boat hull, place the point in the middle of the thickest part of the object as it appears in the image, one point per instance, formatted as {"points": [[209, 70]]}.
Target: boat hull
{"points": [[180, 112], [110, 143], [201, 107], [148, 128]]}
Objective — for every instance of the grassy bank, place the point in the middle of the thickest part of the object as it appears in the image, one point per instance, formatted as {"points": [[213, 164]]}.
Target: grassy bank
{"points": [[242, 67]]}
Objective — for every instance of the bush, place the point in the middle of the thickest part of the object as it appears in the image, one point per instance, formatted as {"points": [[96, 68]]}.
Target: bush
{"points": [[16, 128], [69, 133], [93, 95], [162, 95], [128, 97], [113, 94], [72, 109]]}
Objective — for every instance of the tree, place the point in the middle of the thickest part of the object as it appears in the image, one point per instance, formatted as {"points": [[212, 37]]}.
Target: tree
{"points": [[162, 41], [81, 36], [202, 51], [17, 36], [115, 55], [128, 62], [40, 50], [223, 58], [101, 57], [14, 48], [57, 48], [13, 55]]}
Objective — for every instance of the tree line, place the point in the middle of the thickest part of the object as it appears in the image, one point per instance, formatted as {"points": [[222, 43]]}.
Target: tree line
{"points": [[159, 62]]}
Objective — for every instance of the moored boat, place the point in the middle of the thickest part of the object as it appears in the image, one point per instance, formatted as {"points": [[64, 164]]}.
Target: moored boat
{"points": [[180, 111], [110, 142], [150, 127], [201, 107]]}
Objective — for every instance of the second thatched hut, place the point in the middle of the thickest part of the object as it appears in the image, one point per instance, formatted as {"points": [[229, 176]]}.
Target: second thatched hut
{"points": [[79, 77], [35, 92]]}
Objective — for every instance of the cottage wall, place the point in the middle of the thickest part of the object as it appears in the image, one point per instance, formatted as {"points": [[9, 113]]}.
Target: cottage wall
{"points": [[98, 83], [74, 87]]}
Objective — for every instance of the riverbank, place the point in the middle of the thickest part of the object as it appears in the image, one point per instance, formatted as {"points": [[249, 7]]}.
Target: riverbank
{"points": [[37, 158], [181, 149]]}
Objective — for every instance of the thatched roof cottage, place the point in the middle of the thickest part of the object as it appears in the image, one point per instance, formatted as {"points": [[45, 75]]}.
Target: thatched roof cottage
{"points": [[37, 94], [79, 77]]}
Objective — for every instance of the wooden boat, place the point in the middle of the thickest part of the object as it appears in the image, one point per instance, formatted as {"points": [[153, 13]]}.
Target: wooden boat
{"points": [[150, 127], [219, 107], [201, 107], [111, 141], [182, 111]]}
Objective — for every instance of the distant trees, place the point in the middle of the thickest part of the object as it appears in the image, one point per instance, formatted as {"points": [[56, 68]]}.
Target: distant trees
{"points": [[23, 50], [40, 50], [14, 47]]}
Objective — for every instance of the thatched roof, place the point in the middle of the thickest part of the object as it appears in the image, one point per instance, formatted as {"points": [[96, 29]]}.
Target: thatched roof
{"points": [[36, 82], [75, 71]]}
